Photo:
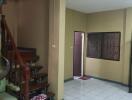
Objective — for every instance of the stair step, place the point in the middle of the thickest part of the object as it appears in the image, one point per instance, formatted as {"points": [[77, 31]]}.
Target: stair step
{"points": [[50, 94], [27, 53], [36, 86], [40, 75], [36, 67]]}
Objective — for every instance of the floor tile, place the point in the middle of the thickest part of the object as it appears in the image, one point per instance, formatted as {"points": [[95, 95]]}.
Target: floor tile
{"points": [[94, 89]]}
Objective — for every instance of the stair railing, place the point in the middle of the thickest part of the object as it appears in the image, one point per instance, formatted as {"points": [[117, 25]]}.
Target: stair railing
{"points": [[21, 62]]}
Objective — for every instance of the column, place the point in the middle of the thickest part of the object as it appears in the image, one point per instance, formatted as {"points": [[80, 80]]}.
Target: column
{"points": [[56, 47]]}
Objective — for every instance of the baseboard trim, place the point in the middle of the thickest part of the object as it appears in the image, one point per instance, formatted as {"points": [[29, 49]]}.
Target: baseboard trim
{"points": [[69, 79], [108, 80]]}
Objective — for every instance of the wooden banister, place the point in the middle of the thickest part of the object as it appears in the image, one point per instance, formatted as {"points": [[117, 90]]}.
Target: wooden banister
{"points": [[22, 63]]}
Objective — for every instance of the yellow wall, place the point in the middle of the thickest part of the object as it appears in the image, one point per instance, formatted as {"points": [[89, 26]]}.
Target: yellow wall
{"points": [[56, 48], [33, 30], [106, 22], [118, 20], [128, 37], [75, 21]]}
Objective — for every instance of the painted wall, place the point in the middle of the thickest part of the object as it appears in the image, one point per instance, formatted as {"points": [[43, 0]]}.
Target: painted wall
{"points": [[33, 30], [10, 11], [56, 48], [106, 22], [128, 39], [75, 21], [118, 20], [28, 21]]}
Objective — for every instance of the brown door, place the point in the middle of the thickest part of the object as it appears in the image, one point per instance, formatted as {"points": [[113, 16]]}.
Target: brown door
{"points": [[77, 54]]}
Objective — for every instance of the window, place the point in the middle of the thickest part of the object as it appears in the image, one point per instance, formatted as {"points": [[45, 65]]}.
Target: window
{"points": [[104, 45]]}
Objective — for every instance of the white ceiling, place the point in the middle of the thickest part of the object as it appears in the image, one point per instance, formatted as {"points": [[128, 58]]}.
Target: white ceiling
{"points": [[90, 6]]}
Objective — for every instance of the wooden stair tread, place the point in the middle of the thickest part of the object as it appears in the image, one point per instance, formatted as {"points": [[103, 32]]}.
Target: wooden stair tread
{"points": [[43, 74], [38, 75], [50, 94], [36, 67], [35, 86]]}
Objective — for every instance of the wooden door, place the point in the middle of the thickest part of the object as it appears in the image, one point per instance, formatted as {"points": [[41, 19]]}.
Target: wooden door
{"points": [[77, 54]]}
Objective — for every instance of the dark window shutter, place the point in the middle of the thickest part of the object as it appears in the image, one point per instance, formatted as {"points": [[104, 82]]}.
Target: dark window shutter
{"points": [[111, 46], [104, 45], [94, 45]]}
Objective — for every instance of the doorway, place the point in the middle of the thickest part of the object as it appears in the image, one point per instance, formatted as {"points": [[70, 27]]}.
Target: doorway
{"points": [[78, 51], [130, 71]]}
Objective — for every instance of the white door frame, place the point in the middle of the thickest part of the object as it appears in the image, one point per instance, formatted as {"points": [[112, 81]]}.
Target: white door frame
{"points": [[82, 58]]}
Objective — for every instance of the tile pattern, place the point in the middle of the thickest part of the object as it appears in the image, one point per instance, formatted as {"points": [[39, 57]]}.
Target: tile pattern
{"points": [[94, 89]]}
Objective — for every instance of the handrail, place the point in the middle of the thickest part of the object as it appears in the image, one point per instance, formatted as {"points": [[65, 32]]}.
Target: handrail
{"points": [[25, 68]]}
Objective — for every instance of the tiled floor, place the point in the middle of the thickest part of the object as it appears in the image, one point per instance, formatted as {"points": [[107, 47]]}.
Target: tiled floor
{"points": [[94, 89]]}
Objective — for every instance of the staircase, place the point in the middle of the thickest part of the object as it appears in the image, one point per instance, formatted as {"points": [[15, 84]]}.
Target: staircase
{"points": [[24, 80]]}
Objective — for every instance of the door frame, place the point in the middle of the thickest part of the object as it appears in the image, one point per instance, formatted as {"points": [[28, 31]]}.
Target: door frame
{"points": [[82, 52], [130, 70]]}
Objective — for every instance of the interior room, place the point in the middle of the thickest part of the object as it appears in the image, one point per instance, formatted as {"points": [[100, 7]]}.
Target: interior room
{"points": [[65, 49], [101, 73]]}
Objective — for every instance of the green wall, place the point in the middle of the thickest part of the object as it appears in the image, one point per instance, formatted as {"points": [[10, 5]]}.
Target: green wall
{"points": [[75, 21]]}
